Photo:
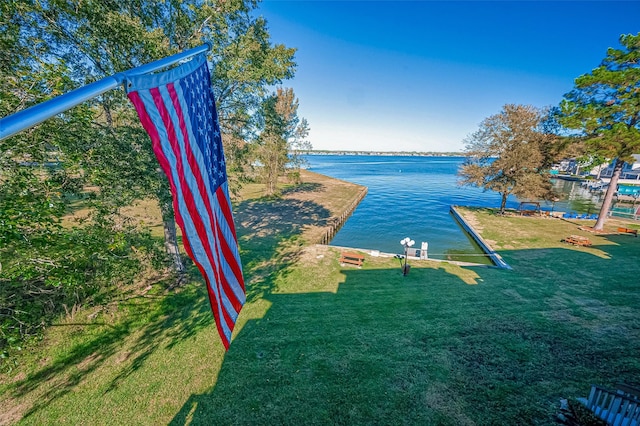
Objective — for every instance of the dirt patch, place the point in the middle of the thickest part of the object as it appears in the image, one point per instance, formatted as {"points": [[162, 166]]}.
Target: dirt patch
{"points": [[314, 255], [440, 399], [11, 412], [593, 231], [123, 357], [491, 243], [19, 377], [88, 361], [472, 220]]}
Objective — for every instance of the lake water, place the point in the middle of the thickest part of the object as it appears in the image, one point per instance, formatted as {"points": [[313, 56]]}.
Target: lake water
{"points": [[411, 196]]}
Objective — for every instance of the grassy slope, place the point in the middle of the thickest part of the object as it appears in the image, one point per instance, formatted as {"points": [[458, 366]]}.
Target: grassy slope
{"points": [[318, 343]]}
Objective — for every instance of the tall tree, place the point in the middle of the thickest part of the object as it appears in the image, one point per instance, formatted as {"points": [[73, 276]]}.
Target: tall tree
{"points": [[94, 39], [50, 47], [604, 107], [282, 136], [510, 153]]}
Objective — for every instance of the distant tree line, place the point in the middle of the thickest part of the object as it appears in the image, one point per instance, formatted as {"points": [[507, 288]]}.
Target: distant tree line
{"points": [[383, 153], [599, 120]]}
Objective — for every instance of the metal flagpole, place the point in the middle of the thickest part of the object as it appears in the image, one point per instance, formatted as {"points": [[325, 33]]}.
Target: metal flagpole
{"points": [[36, 114]]}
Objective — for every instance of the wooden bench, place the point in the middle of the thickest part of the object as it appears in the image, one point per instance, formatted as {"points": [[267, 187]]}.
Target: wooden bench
{"points": [[577, 240], [351, 259], [628, 231]]}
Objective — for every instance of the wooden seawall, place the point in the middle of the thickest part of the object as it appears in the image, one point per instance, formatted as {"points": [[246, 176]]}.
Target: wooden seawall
{"points": [[336, 222]]}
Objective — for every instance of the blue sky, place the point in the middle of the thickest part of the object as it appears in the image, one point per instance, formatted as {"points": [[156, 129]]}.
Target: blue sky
{"points": [[422, 75]]}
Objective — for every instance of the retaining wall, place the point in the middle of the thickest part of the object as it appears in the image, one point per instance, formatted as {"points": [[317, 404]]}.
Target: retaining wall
{"points": [[495, 257], [335, 223]]}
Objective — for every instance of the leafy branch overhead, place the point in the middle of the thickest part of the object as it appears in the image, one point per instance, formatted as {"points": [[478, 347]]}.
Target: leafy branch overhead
{"points": [[604, 110]]}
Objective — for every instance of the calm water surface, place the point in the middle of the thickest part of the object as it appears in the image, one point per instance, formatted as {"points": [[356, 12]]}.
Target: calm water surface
{"points": [[410, 197]]}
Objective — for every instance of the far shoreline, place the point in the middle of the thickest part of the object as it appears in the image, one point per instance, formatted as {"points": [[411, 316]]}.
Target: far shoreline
{"points": [[388, 153]]}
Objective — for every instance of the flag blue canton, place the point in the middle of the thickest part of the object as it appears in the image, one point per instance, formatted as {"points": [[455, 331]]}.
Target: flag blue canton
{"points": [[204, 118]]}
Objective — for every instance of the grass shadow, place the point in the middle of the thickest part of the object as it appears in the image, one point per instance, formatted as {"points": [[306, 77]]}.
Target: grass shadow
{"points": [[369, 346], [267, 229], [337, 358], [150, 321], [269, 235], [426, 349], [303, 187]]}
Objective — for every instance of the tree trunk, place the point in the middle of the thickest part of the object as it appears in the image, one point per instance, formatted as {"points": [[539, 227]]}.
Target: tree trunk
{"points": [[171, 243], [170, 233], [503, 203], [272, 177], [608, 196]]}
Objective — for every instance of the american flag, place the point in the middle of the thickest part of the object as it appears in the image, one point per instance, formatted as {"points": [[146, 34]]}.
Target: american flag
{"points": [[177, 109]]}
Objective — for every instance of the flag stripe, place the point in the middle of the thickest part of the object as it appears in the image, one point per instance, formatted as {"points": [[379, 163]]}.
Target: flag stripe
{"points": [[166, 167], [229, 237], [228, 250], [177, 109], [194, 206], [188, 227], [203, 203]]}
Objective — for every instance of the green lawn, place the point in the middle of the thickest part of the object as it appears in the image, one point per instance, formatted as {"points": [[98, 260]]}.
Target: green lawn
{"points": [[318, 343]]}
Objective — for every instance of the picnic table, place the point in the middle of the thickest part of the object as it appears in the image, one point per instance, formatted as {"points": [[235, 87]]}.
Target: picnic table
{"points": [[628, 231], [577, 240], [352, 258]]}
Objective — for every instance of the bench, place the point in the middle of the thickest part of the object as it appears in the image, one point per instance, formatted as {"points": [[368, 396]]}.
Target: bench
{"points": [[628, 391], [351, 259], [577, 240], [615, 408], [628, 231]]}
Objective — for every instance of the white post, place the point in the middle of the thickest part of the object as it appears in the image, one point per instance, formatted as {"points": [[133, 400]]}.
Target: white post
{"points": [[423, 250]]}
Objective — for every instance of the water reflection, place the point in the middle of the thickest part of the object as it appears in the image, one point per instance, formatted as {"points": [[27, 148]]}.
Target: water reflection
{"points": [[576, 197]]}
